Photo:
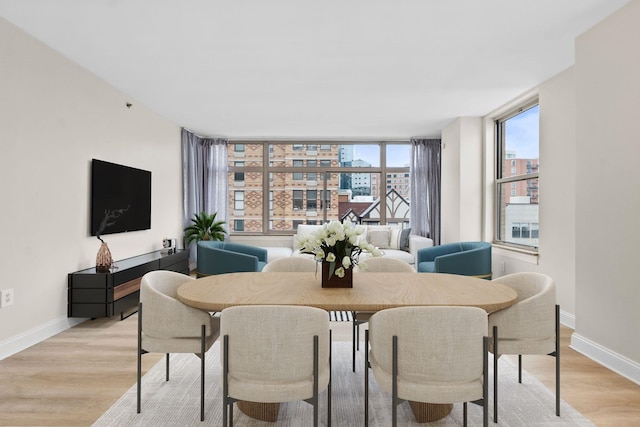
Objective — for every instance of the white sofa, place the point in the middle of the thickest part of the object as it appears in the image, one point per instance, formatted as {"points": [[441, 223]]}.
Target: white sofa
{"points": [[385, 237]]}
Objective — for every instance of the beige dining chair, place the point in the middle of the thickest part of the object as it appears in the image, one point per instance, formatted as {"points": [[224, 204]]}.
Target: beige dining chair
{"points": [[431, 354], [373, 265], [291, 264], [273, 354], [530, 326], [166, 325]]}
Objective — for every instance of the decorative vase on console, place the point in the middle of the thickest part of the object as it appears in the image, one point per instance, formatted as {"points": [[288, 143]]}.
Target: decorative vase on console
{"points": [[104, 261], [337, 246]]}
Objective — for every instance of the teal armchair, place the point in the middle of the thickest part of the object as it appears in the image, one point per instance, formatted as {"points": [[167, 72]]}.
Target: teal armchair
{"points": [[225, 257], [464, 258]]}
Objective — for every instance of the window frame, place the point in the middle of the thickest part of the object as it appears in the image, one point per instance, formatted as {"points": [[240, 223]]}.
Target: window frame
{"points": [[323, 166], [501, 164]]}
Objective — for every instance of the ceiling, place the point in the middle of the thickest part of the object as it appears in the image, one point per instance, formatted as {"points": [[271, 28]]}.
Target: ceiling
{"points": [[353, 69]]}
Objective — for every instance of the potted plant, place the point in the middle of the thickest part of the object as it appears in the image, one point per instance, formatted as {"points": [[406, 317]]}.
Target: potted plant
{"points": [[204, 227]]}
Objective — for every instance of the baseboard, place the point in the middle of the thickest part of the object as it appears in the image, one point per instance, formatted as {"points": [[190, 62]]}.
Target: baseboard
{"points": [[616, 362], [16, 344], [567, 319]]}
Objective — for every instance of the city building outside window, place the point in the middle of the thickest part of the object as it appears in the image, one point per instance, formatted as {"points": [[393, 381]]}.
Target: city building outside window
{"points": [[517, 175], [302, 183]]}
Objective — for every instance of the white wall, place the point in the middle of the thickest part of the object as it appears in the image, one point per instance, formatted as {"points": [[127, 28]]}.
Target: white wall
{"points": [[608, 190], [461, 186], [55, 117], [557, 181]]}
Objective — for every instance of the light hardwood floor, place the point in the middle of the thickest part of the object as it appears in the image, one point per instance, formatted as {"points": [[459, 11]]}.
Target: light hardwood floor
{"points": [[73, 378]]}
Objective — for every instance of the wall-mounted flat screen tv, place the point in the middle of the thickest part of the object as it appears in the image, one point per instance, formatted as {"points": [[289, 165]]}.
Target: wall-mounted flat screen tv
{"points": [[120, 198]]}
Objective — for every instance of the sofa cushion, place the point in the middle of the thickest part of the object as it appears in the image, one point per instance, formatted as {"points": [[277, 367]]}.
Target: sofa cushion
{"points": [[274, 253], [379, 238], [403, 240], [398, 254], [394, 239]]}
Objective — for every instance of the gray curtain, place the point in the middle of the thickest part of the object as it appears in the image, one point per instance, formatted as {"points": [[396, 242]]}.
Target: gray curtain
{"points": [[204, 177], [425, 188]]}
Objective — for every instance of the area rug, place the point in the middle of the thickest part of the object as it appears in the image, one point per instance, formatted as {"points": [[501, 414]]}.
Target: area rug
{"points": [[177, 402]]}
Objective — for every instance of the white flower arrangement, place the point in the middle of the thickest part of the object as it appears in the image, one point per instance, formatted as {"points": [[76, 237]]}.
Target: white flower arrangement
{"points": [[339, 244]]}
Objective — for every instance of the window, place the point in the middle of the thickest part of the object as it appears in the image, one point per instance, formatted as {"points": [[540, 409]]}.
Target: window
{"points": [[312, 176], [238, 148], [238, 200], [297, 200], [517, 174], [534, 230], [238, 176], [238, 225], [287, 183], [298, 164], [312, 200]]}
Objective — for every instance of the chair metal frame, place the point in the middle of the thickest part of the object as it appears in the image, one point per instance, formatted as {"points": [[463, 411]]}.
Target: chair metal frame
{"points": [[496, 340], [141, 351], [228, 401], [484, 401]]}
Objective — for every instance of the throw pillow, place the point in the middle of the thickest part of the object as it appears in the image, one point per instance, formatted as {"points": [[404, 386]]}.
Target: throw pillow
{"points": [[404, 239], [379, 238], [394, 240]]}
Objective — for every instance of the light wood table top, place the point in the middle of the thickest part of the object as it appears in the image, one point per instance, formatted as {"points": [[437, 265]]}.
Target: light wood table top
{"points": [[370, 292]]}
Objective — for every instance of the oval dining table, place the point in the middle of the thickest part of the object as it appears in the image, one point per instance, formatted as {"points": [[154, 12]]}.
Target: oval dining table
{"points": [[371, 291]]}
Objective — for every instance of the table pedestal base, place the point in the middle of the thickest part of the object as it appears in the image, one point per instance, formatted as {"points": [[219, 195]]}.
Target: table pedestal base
{"points": [[426, 412], [260, 411]]}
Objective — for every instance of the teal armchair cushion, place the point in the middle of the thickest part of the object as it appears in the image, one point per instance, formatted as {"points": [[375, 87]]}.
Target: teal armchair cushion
{"points": [[464, 258], [226, 257]]}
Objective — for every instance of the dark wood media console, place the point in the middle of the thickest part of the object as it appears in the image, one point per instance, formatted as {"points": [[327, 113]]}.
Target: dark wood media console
{"points": [[92, 294]]}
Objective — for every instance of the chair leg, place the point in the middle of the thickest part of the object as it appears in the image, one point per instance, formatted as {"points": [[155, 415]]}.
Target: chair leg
{"points": [[315, 381], [519, 369], [203, 336], [225, 380], [355, 318], [366, 378], [557, 360], [464, 414], [495, 374], [485, 381], [354, 339], [329, 390], [167, 366], [139, 387], [394, 383]]}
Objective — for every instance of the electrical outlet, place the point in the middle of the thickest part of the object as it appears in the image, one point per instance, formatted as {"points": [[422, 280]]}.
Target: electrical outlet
{"points": [[6, 298]]}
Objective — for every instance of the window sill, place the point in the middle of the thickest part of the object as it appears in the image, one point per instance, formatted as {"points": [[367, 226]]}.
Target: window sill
{"points": [[526, 255]]}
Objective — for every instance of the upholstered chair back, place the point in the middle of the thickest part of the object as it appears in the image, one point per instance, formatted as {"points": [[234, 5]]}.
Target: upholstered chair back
{"points": [[165, 317], [270, 352], [528, 326], [384, 264], [440, 352]]}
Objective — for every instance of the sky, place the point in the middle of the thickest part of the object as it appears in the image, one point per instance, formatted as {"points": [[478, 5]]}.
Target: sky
{"points": [[397, 155], [523, 134]]}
